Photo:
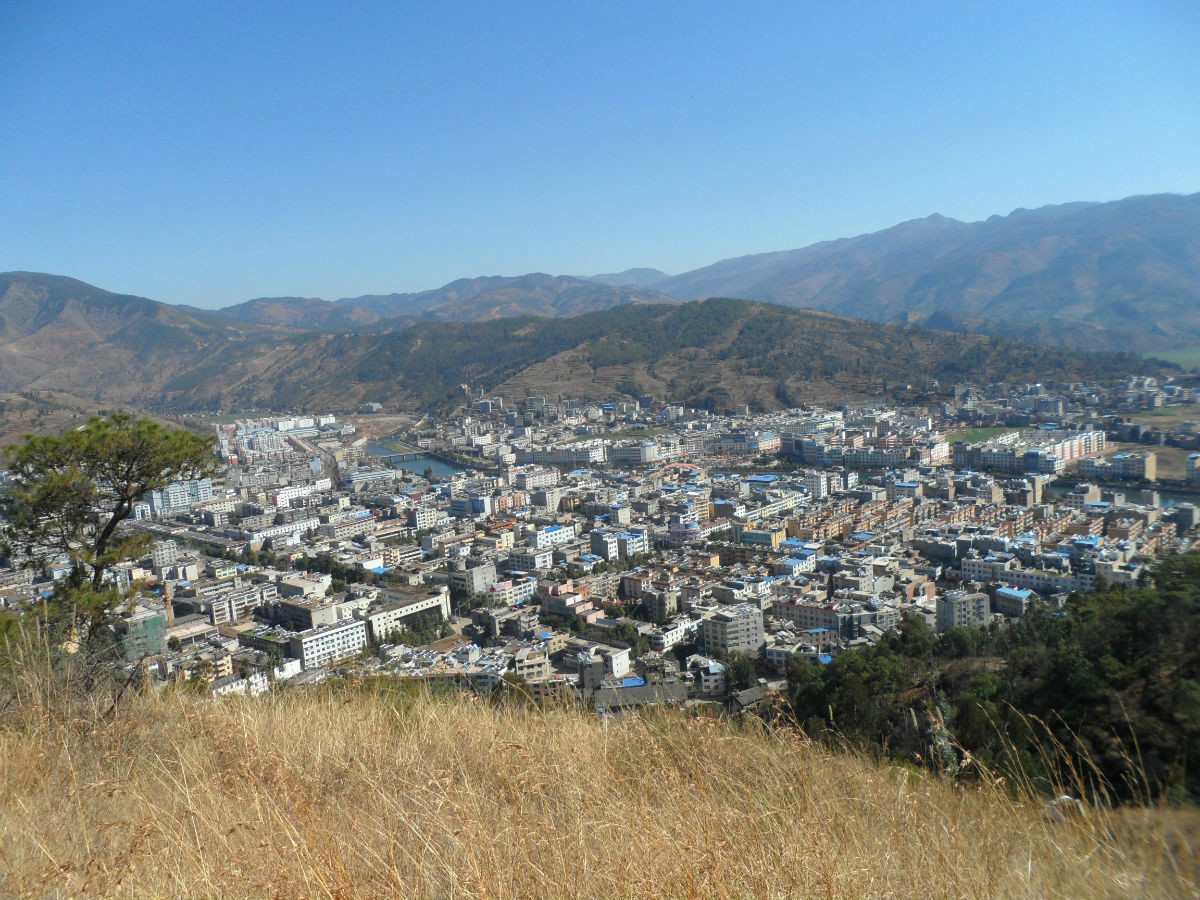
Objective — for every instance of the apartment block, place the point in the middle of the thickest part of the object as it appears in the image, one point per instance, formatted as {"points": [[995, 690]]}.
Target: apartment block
{"points": [[734, 628], [959, 609], [329, 644]]}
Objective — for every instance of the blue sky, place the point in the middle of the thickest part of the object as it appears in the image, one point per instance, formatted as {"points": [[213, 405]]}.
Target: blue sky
{"points": [[212, 152]]}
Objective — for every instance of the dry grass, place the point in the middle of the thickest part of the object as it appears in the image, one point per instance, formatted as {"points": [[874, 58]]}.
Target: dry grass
{"points": [[360, 794]]}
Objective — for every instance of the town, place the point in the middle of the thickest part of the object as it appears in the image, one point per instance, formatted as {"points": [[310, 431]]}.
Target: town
{"points": [[634, 552]]}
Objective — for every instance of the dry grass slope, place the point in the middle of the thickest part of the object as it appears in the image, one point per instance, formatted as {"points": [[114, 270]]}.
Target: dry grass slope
{"points": [[357, 794]]}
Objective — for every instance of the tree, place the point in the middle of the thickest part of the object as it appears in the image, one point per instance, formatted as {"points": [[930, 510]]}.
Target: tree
{"points": [[69, 493], [742, 671]]}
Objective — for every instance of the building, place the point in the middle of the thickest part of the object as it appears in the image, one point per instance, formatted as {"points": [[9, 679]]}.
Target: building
{"points": [[423, 518], [734, 629], [164, 554], [511, 592], [575, 455], [1121, 467], [551, 536], [605, 545], [395, 608], [531, 560], [1045, 452], [632, 543], [748, 443], [239, 602], [661, 605], [532, 663], [667, 636], [328, 644], [1013, 602], [302, 613], [474, 581], [534, 478], [283, 497], [635, 454], [958, 609], [144, 632], [768, 537], [180, 495]]}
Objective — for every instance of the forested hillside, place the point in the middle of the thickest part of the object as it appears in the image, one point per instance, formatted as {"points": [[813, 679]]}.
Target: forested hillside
{"points": [[1104, 693], [713, 354]]}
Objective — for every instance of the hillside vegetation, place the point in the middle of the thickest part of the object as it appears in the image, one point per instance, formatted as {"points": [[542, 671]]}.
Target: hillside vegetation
{"points": [[713, 354], [1106, 690], [360, 793], [59, 334]]}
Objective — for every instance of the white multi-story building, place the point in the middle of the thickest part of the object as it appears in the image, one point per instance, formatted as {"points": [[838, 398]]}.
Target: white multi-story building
{"points": [[604, 544], [667, 636], [576, 455], [734, 628], [552, 536], [635, 454], [321, 646], [423, 518], [511, 592], [632, 543], [163, 554], [180, 495], [239, 602], [532, 479], [300, 526], [283, 497], [958, 609], [391, 611], [532, 559], [266, 442]]}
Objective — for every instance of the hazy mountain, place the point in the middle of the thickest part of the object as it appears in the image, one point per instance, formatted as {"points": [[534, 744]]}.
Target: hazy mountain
{"points": [[467, 299], [301, 312], [60, 334], [1121, 275], [644, 278]]}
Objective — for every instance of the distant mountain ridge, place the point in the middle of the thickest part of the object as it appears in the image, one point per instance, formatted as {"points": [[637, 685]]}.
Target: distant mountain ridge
{"points": [[644, 278], [1122, 275], [466, 299], [63, 335], [1119, 275]]}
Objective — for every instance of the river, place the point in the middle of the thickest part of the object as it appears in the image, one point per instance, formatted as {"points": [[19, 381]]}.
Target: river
{"points": [[441, 469], [1165, 498]]}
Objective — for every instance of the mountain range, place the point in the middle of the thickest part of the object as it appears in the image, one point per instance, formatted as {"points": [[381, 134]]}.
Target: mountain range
{"points": [[464, 300], [59, 334], [1120, 275]]}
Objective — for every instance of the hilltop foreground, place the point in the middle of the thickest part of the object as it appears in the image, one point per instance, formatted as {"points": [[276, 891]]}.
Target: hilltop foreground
{"points": [[344, 794]]}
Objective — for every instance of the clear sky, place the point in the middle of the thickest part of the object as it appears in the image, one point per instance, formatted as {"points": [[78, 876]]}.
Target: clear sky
{"points": [[210, 152]]}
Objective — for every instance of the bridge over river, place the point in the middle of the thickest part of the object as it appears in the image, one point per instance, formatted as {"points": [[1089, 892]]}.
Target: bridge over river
{"points": [[400, 454]]}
